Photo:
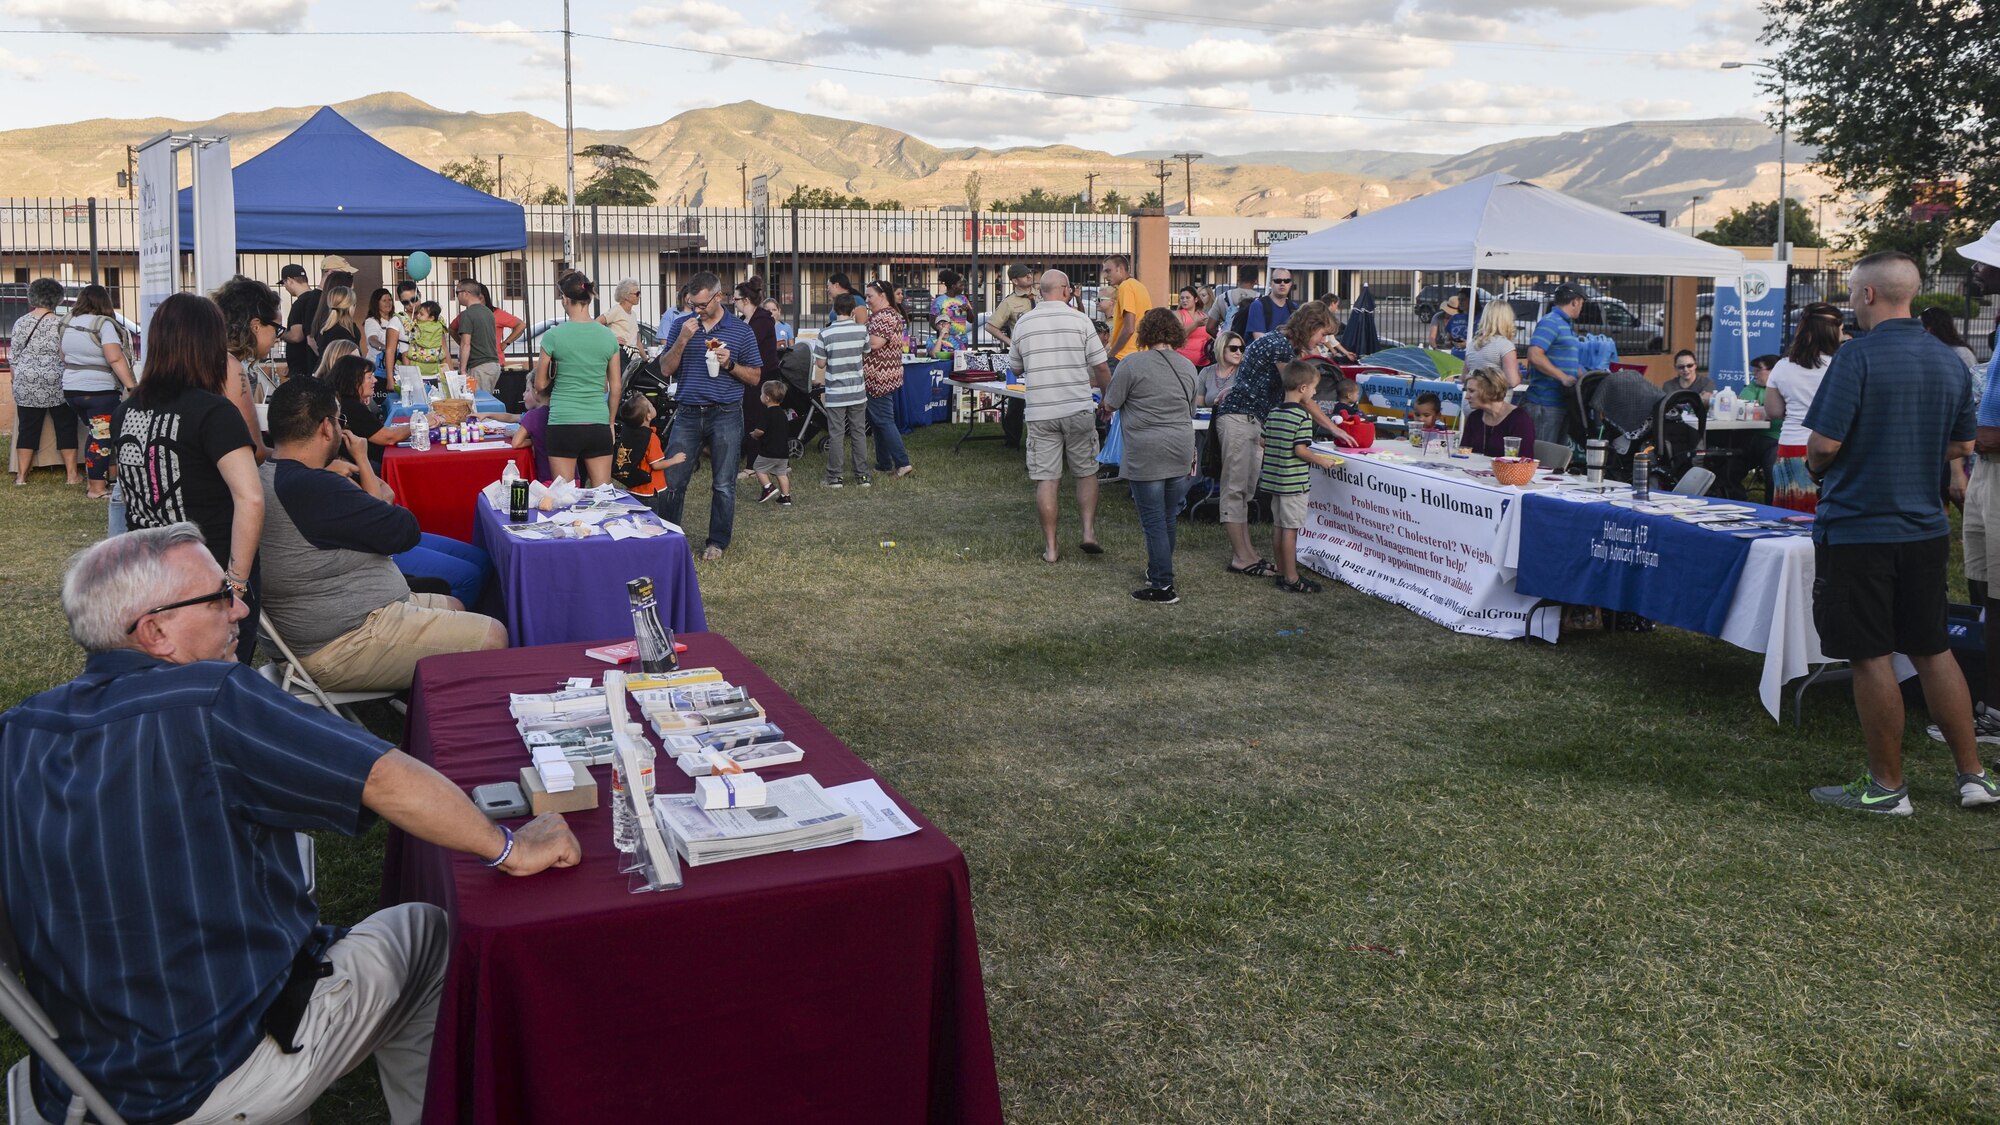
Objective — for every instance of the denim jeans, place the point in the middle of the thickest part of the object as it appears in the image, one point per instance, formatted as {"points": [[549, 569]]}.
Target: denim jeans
{"points": [[462, 565], [1159, 504], [889, 451], [720, 429]]}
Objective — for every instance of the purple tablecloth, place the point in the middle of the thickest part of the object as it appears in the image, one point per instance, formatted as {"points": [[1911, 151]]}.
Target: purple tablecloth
{"points": [[555, 591]]}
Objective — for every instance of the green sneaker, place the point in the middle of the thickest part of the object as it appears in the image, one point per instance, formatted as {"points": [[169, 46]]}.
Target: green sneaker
{"points": [[1977, 790], [1863, 795]]}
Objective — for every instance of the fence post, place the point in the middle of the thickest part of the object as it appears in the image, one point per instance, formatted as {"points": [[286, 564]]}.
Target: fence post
{"points": [[798, 278], [94, 278], [596, 265], [977, 282]]}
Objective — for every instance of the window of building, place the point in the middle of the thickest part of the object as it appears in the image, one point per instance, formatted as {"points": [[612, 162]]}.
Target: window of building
{"points": [[514, 278]]}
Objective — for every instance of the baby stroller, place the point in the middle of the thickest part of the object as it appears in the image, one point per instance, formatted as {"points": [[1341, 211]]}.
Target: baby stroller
{"points": [[802, 409], [643, 376]]}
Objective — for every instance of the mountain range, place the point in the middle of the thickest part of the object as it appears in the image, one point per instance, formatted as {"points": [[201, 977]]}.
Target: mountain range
{"points": [[705, 157]]}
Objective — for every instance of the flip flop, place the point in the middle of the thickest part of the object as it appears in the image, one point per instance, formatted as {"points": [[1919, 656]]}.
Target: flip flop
{"points": [[1092, 548], [1262, 568]]}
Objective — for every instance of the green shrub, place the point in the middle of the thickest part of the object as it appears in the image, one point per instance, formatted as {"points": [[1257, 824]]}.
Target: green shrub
{"points": [[1952, 303]]}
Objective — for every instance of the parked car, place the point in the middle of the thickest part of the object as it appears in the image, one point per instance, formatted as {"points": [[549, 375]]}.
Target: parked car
{"points": [[1432, 296], [1604, 316]]}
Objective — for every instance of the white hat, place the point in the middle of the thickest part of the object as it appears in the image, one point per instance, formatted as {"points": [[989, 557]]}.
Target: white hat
{"points": [[1986, 250]]}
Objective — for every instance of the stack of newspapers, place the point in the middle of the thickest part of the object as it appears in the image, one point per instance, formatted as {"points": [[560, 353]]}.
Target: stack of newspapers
{"points": [[577, 719], [797, 814]]}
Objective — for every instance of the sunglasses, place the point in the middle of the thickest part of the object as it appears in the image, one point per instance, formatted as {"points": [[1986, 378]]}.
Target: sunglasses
{"points": [[1683, 367], [1233, 348], [223, 594]]}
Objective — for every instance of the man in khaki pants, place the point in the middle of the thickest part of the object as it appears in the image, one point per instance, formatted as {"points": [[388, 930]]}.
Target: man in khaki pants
{"points": [[478, 340], [159, 797]]}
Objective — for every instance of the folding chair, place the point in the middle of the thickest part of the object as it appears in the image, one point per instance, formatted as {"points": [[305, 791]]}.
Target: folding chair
{"points": [[1553, 455], [292, 677], [1695, 482]]}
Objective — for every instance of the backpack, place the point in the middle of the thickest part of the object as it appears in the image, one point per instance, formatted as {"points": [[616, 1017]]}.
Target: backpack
{"points": [[1241, 324]]}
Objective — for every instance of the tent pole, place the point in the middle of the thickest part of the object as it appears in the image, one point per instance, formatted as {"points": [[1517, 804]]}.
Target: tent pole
{"points": [[1743, 311], [1471, 330]]}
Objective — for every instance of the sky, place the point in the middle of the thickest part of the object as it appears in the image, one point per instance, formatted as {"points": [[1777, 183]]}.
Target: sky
{"points": [[1248, 75]]}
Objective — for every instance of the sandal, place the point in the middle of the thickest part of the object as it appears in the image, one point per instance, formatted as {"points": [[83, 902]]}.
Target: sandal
{"points": [[711, 554], [1302, 586], [1262, 568]]}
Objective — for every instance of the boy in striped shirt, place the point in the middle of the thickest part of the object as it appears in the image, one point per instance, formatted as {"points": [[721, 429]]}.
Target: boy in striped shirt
{"points": [[839, 348], [1288, 436]]}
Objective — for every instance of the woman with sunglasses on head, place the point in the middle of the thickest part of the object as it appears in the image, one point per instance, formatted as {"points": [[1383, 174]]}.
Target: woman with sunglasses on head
{"points": [[183, 451], [1218, 377]]}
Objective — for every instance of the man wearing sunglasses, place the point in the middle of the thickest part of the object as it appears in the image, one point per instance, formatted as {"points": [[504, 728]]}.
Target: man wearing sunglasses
{"points": [[159, 798], [1269, 312]]}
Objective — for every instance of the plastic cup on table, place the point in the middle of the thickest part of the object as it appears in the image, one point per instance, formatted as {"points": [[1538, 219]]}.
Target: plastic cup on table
{"points": [[1511, 446]]}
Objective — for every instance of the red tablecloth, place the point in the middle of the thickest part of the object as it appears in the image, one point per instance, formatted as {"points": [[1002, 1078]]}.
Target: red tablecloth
{"points": [[838, 985], [438, 484]]}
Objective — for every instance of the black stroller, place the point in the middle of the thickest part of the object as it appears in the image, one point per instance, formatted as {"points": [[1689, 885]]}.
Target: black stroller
{"points": [[643, 376], [802, 407]]}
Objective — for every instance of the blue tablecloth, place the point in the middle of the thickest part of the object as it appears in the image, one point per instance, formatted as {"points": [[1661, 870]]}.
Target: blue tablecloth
{"points": [[925, 397], [556, 591], [482, 402], [1674, 572]]}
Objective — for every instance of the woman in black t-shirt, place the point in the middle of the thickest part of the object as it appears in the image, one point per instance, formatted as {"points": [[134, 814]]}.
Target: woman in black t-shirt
{"points": [[353, 379], [336, 319], [184, 453]]}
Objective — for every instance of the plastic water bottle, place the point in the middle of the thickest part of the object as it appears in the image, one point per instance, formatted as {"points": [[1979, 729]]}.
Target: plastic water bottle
{"points": [[624, 829], [420, 431]]}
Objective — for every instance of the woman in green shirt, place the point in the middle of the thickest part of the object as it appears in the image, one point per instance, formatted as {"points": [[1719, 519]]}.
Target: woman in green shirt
{"points": [[578, 373]]}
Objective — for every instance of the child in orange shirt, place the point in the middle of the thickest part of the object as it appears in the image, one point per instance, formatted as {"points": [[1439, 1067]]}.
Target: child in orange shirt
{"points": [[637, 461]]}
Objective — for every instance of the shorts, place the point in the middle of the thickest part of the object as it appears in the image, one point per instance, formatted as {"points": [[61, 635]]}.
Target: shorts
{"points": [[1875, 599], [582, 441], [773, 466], [381, 654], [1288, 510], [1054, 442], [1242, 438], [1982, 521]]}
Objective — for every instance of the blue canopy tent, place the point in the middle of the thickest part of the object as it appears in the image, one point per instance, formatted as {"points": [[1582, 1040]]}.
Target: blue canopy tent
{"points": [[330, 186]]}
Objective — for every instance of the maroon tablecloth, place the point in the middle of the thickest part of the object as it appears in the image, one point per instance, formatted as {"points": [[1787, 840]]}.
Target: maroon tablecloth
{"points": [[838, 985], [439, 484]]}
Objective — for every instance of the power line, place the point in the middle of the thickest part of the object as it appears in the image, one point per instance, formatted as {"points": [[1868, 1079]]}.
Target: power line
{"points": [[267, 32]]}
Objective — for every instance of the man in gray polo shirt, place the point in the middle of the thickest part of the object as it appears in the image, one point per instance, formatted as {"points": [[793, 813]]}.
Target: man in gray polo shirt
{"points": [[1058, 356]]}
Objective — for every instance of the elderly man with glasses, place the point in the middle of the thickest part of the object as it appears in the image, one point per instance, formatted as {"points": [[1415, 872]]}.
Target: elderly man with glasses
{"points": [[159, 797]]}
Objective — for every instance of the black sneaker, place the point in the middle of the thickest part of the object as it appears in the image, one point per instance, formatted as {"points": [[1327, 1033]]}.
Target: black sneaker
{"points": [[867, 482], [785, 500], [770, 490], [835, 484], [1158, 595]]}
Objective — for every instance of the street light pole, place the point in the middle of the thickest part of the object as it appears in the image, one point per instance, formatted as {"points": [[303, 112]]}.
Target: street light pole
{"points": [[1783, 251]]}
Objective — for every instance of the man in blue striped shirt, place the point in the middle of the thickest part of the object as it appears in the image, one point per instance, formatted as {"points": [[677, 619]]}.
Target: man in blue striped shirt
{"points": [[708, 407], [150, 863], [1554, 362]]}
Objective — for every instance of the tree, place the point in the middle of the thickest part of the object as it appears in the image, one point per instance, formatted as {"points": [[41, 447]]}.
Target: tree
{"points": [[554, 195], [1757, 225], [1151, 199], [1039, 200], [475, 173], [621, 179], [972, 191], [823, 199], [1113, 203], [1896, 95]]}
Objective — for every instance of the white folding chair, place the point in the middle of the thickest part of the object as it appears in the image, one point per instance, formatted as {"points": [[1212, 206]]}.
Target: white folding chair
{"points": [[1695, 482], [1554, 455], [291, 676]]}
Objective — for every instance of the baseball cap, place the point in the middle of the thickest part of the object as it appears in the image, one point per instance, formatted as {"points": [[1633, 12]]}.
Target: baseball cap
{"points": [[1019, 270], [1986, 251], [291, 271], [1564, 294], [334, 262]]}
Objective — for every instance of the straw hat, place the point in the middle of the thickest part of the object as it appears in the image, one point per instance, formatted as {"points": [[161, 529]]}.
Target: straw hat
{"points": [[1451, 305]]}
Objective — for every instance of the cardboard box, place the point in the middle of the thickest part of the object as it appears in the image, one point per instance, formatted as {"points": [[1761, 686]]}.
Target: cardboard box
{"points": [[583, 798]]}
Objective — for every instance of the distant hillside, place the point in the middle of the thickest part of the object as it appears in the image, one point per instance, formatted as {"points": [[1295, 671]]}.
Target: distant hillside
{"points": [[697, 155]]}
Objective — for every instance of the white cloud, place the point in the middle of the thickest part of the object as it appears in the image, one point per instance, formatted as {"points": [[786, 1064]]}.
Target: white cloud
{"points": [[163, 16], [1655, 108], [1297, 63], [919, 29], [1723, 31], [697, 13], [15, 66], [542, 50], [435, 6], [602, 96], [985, 117]]}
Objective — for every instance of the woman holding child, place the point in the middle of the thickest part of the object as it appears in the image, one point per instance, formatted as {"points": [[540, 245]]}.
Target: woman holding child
{"points": [[1154, 391]]}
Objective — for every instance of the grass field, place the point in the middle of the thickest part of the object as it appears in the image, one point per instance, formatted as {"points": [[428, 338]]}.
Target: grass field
{"points": [[1260, 857]]}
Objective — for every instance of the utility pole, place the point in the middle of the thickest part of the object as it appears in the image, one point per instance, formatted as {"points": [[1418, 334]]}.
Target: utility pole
{"points": [[1090, 189], [500, 174], [1187, 160], [569, 147], [1162, 171], [131, 173], [743, 173], [1694, 214]]}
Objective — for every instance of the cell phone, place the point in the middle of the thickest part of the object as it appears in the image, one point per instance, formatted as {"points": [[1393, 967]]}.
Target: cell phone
{"points": [[500, 800]]}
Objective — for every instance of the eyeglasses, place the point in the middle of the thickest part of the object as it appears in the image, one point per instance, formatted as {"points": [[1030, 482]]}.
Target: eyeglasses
{"points": [[224, 594]]}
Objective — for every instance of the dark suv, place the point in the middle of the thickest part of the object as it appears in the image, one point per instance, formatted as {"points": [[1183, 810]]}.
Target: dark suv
{"points": [[1430, 297]]}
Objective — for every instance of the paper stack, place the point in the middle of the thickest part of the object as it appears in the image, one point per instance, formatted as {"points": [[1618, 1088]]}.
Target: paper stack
{"points": [[742, 758], [727, 738], [796, 814], [719, 717]]}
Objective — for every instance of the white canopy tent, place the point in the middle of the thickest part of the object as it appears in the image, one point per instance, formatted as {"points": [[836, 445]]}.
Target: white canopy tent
{"points": [[1505, 224]]}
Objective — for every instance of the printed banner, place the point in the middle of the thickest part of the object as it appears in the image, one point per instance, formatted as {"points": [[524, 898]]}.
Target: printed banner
{"points": [[1656, 566], [159, 228], [214, 216], [1730, 352], [1420, 540]]}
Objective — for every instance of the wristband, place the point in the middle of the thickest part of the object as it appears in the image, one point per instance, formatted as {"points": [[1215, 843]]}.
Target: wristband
{"points": [[504, 852]]}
